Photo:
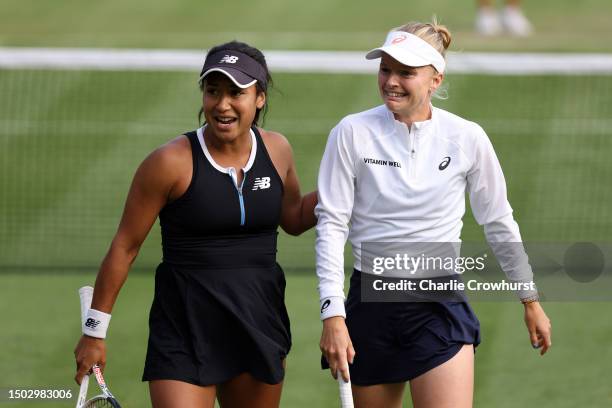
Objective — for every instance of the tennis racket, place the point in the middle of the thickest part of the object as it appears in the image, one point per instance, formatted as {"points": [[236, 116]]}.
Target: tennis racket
{"points": [[346, 394], [106, 399]]}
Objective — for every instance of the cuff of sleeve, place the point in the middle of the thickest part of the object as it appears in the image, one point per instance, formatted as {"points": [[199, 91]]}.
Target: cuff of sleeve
{"points": [[332, 306], [96, 323], [529, 293]]}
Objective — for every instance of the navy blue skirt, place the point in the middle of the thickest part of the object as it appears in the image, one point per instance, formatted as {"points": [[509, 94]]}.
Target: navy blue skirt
{"points": [[398, 341]]}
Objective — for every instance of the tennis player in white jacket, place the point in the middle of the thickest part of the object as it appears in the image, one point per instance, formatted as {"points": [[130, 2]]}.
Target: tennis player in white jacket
{"points": [[399, 172]]}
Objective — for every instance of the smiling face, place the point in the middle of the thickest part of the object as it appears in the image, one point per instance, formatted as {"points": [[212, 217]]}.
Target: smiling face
{"points": [[406, 91], [228, 109]]}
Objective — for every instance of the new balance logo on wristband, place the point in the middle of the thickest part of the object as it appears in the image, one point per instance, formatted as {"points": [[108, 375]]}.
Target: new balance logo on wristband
{"points": [[96, 323], [92, 323]]}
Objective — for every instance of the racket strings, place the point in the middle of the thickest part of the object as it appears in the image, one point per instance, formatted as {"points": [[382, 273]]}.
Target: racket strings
{"points": [[101, 402]]}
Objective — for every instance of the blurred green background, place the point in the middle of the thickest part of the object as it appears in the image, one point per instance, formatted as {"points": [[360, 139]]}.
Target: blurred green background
{"points": [[71, 140], [561, 25]]}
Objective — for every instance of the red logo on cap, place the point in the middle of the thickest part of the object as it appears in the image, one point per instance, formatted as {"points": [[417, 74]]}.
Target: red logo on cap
{"points": [[399, 39]]}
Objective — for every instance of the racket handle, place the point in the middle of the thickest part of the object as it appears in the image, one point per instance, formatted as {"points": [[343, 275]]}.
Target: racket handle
{"points": [[83, 391], [86, 294], [346, 394]]}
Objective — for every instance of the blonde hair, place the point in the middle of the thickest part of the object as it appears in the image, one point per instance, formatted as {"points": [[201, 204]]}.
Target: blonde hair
{"points": [[435, 34]]}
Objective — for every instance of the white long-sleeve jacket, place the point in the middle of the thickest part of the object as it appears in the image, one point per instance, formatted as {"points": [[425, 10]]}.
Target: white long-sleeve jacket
{"points": [[380, 181]]}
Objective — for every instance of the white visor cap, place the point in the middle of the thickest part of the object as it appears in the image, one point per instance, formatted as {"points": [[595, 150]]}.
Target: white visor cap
{"points": [[409, 50]]}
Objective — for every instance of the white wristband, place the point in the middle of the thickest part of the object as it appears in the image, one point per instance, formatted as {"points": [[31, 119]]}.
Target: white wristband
{"points": [[332, 306], [96, 323]]}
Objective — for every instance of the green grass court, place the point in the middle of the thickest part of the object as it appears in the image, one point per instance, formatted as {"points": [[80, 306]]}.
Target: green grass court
{"points": [[508, 372], [69, 149], [71, 140]]}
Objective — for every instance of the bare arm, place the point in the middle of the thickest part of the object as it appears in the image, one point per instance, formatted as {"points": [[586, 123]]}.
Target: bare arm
{"points": [[147, 195], [297, 213], [154, 183]]}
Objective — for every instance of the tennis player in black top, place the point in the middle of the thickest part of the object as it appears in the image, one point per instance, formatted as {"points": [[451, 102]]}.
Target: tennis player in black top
{"points": [[218, 323]]}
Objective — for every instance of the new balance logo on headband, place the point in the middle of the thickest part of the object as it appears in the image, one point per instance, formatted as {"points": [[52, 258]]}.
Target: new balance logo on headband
{"points": [[229, 59], [92, 323], [261, 183]]}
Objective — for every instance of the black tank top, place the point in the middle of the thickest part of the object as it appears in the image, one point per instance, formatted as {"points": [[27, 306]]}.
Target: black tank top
{"points": [[217, 223]]}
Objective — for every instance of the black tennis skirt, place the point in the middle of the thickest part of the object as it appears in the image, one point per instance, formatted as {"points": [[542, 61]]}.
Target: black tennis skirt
{"points": [[207, 326], [396, 342]]}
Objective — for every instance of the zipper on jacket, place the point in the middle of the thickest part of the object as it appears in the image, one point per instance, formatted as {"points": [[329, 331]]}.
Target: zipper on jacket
{"points": [[411, 162]]}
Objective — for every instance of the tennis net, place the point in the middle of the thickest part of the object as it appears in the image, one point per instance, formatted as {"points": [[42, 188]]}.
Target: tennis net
{"points": [[75, 124]]}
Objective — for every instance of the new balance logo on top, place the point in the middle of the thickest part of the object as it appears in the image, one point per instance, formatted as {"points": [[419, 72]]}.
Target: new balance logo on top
{"points": [[261, 183], [230, 59], [92, 323]]}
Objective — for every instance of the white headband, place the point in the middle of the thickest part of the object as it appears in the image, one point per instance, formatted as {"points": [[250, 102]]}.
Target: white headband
{"points": [[409, 50]]}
